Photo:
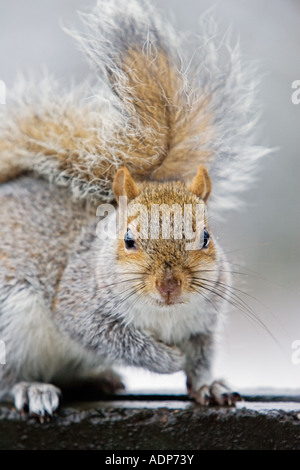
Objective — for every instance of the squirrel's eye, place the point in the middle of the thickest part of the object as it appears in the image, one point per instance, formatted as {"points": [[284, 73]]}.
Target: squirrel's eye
{"points": [[129, 240], [204, 239]]}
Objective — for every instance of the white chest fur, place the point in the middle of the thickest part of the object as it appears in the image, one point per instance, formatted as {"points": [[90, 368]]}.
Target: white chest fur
{"points": [[172, 324]]}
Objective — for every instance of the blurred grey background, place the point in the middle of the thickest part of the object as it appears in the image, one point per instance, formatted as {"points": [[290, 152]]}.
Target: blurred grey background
{"points": [[264, 239]]}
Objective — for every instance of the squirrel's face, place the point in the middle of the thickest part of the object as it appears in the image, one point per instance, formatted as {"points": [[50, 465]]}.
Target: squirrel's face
{"points": [[166, 248]]}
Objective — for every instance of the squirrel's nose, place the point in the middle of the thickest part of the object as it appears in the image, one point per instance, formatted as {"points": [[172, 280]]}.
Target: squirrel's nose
{"points": [[169, 287]]}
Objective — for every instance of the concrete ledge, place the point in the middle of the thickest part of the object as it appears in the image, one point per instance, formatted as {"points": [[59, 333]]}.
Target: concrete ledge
{"points": [[158, 423]]}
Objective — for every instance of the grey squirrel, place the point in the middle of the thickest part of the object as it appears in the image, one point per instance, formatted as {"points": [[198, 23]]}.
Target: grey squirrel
{"points": [[154, 128]]}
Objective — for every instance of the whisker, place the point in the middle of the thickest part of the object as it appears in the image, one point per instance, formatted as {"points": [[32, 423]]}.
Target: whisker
{"points": [[233, 288], [198, 291], [229, 290], [254, 276], [122, 281], [136, 289], [251, 274], [238, 303]]}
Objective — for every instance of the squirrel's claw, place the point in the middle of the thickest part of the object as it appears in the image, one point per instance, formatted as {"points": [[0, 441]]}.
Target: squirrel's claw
{"points": [[39, 399], [215, 394]]}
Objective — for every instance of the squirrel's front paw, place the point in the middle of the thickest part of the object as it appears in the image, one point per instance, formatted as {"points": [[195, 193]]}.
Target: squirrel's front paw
{"points": [[215, 394], [39, 399]]}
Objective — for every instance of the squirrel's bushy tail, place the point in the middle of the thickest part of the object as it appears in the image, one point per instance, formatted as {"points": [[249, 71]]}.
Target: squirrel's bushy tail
{"points": [[149, 108]]}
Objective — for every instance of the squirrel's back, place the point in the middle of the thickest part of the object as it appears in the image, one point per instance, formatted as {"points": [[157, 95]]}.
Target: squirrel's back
{"points": [[148, 108]]}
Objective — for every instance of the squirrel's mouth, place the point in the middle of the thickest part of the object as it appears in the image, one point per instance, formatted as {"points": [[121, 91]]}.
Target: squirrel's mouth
{"points": [[169, 300]]}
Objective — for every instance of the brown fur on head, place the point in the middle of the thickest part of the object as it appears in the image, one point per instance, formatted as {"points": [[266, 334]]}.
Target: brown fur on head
{"points": [[167, 266]]}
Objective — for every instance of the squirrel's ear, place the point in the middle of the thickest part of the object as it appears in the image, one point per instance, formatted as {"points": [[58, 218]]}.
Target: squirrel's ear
{"points": [[124, 185], [201, 184]]}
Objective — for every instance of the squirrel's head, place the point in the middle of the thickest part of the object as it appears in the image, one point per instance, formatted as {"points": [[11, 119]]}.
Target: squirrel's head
{"points": [[166, 247]]}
